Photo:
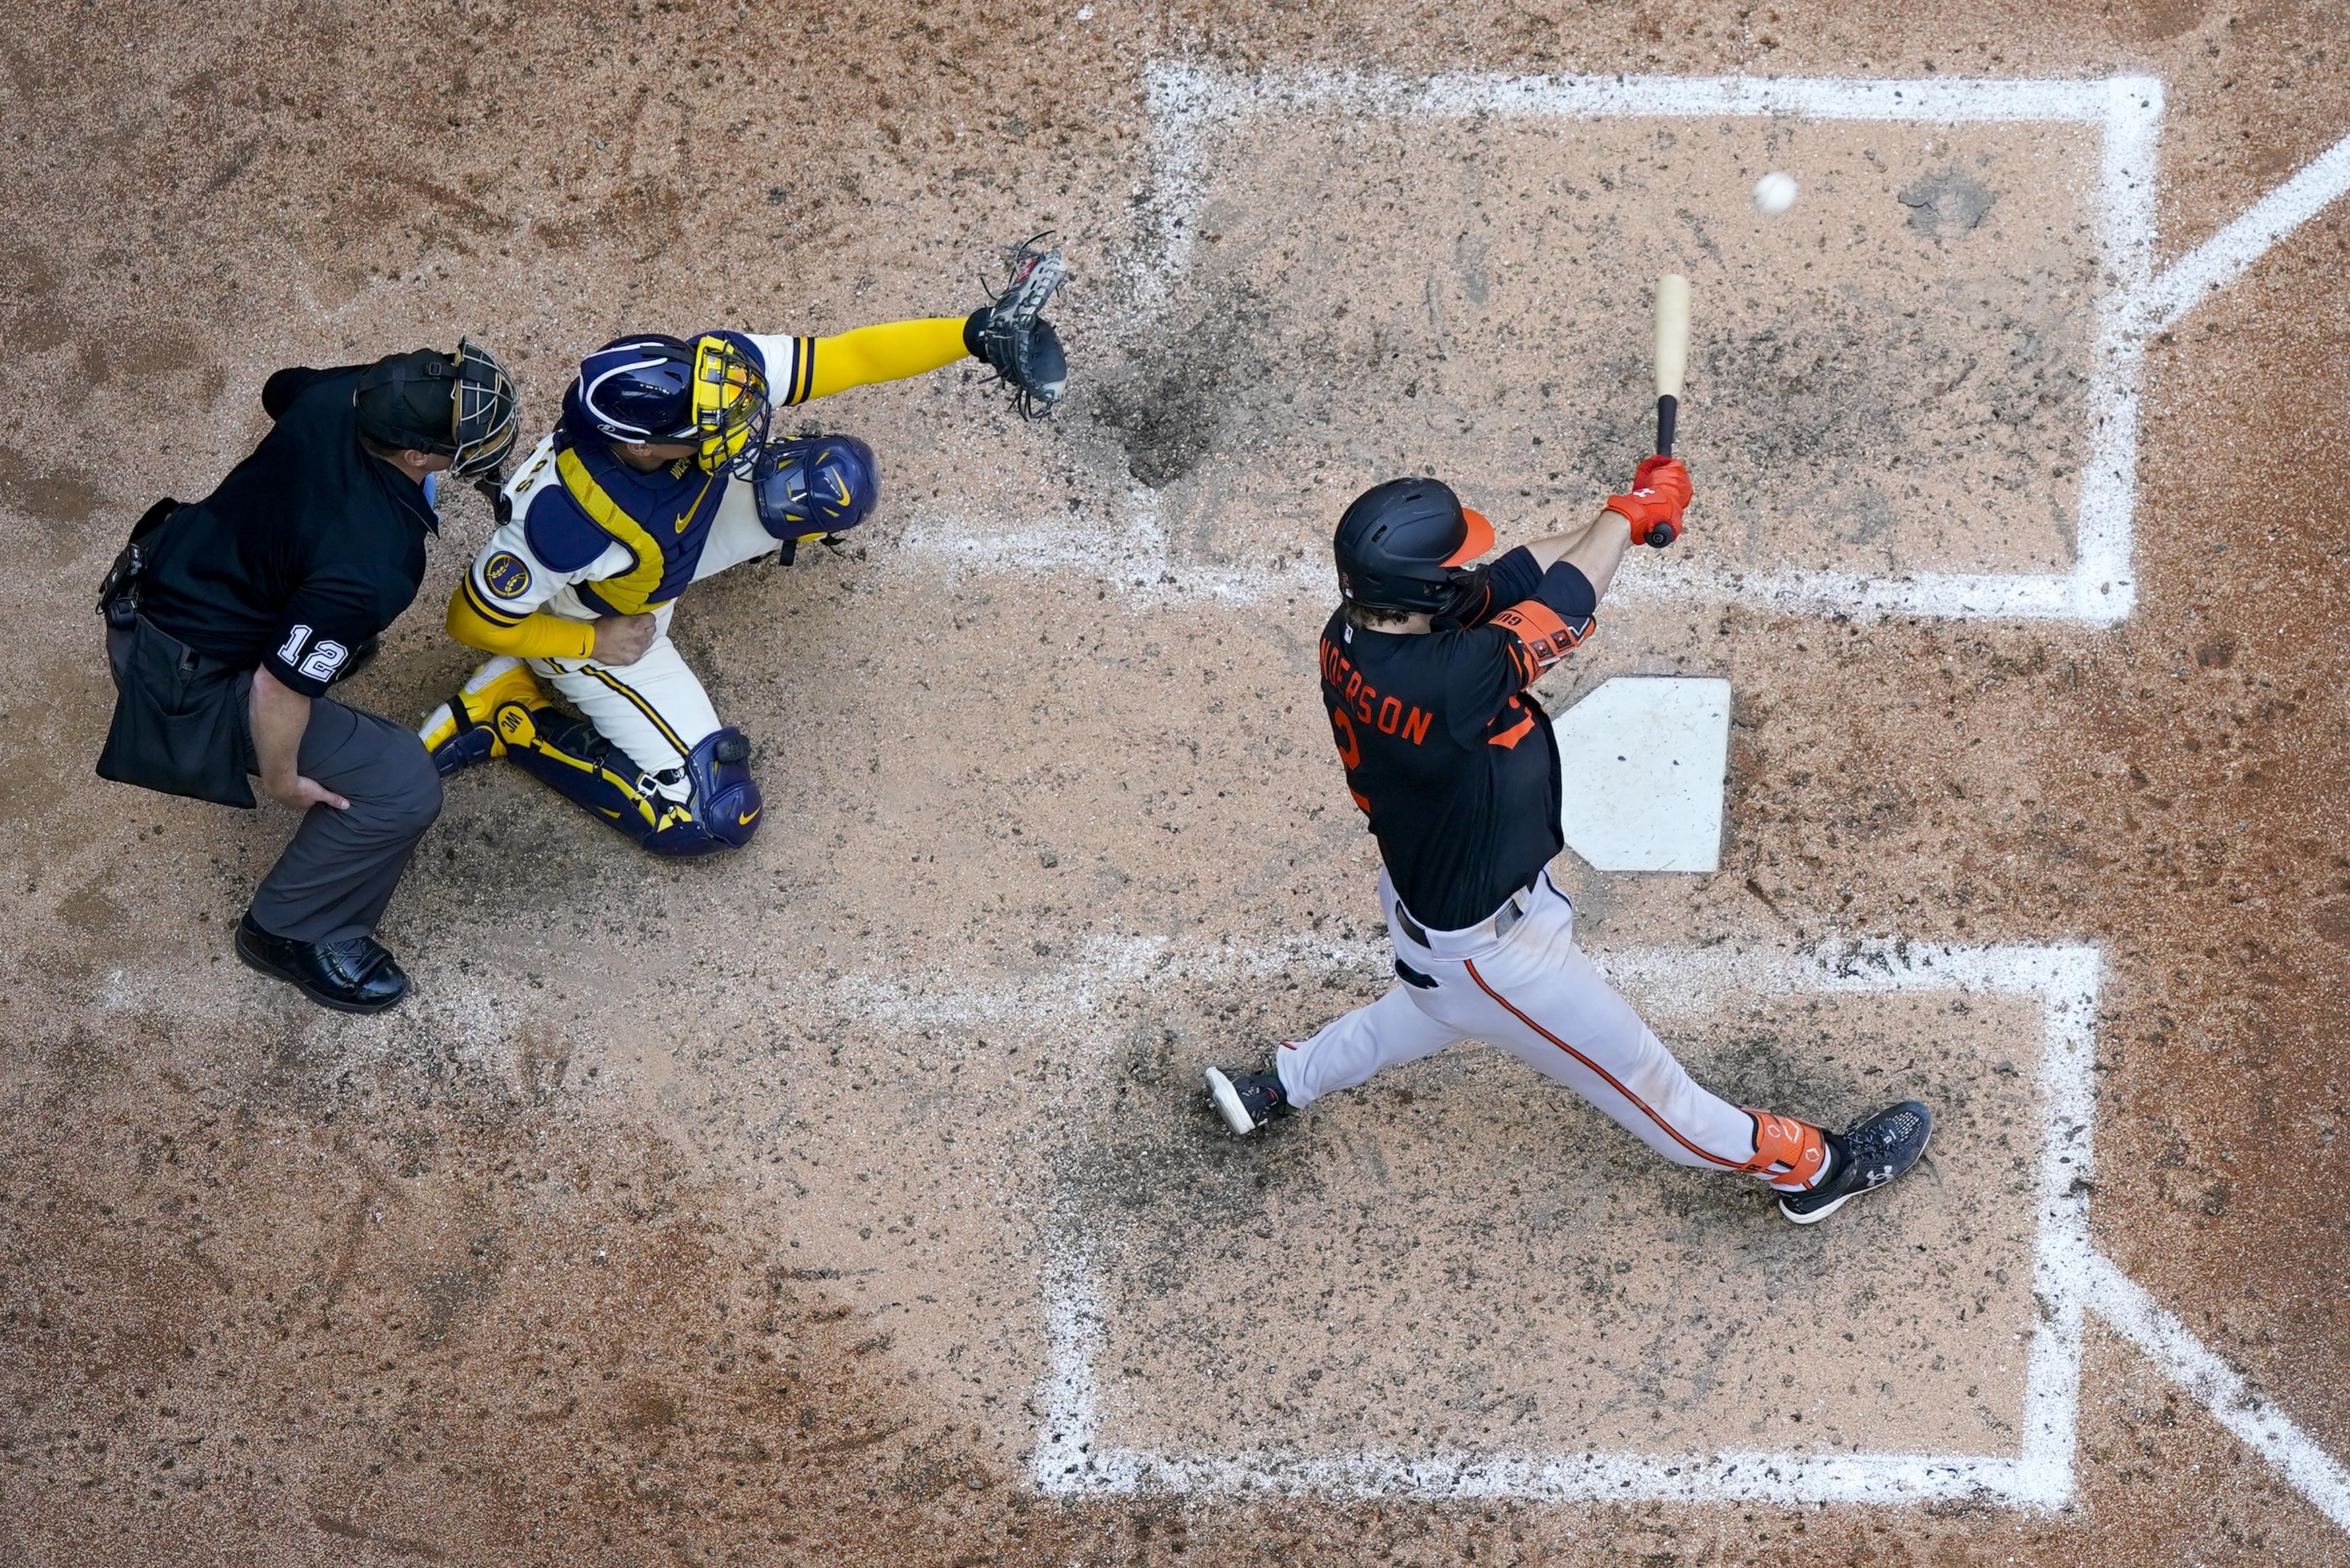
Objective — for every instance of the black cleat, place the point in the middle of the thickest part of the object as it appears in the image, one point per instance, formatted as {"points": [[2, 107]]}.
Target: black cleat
{"points": [[1866, 1155], [355, 976], [1247, 1100]]}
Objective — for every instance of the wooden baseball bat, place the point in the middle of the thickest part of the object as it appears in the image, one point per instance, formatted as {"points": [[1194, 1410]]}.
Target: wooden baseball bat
{"points": [[1672, 355], [1672, 364]]}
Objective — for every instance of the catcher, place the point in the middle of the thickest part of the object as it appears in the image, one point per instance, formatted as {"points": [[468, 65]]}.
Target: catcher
{"points": [[660, 473]]}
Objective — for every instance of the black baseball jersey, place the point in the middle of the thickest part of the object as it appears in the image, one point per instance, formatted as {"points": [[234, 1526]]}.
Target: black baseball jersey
{"points": [[1446, 749], [309, 548]]}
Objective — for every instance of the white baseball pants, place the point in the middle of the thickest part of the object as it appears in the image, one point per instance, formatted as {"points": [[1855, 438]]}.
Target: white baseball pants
{"points": [[1534, 993], [654, 710]]}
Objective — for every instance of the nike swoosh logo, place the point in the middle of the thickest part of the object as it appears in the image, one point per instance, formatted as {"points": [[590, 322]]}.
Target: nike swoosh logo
{"points": [[745, 821]]}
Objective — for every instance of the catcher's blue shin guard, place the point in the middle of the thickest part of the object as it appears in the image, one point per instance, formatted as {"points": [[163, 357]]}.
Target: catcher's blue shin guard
{"points": [[565, 752]]}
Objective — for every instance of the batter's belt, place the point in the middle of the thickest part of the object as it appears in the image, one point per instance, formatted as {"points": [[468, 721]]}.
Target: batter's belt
{"points": [[1500, 921]]}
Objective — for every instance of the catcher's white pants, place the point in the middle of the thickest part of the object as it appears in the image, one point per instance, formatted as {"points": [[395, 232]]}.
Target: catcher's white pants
{"points": [[1534, 993], [654, 710]]}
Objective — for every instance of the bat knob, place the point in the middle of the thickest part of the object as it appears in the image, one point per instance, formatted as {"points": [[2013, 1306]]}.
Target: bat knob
{"points": [[1662, 534]]}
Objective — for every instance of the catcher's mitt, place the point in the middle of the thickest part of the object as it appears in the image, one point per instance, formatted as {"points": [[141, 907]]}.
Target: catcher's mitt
{"points": [[1011, 334]]}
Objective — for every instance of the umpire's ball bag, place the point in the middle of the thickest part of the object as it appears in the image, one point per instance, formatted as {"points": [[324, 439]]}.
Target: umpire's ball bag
{"points": [[179, 717]]}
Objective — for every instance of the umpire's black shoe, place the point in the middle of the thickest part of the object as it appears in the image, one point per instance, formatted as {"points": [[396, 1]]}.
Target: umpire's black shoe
{"points": [[1866, 1155], [355, 976], [1247, 1100]]}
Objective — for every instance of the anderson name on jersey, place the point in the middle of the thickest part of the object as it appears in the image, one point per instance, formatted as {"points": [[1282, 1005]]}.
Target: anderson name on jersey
{"points": [[1447, 751]]}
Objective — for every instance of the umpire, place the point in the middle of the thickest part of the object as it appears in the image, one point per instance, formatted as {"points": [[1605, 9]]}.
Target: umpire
{"points": [[228, 620]]}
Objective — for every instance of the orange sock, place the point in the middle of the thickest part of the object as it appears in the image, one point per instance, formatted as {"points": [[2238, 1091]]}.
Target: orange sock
{"points": [[1792, 1156]]}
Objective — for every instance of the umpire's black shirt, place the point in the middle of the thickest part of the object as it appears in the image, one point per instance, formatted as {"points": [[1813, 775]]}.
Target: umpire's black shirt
{"points": [[309, 548], [1447, 751]]}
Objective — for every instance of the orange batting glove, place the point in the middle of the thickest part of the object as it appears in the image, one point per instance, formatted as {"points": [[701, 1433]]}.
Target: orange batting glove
{"points": [[1660, 493]]}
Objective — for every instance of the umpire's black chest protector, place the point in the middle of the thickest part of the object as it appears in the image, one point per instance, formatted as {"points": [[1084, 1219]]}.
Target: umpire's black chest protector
{"points": [[309, 503], [222, 585]]}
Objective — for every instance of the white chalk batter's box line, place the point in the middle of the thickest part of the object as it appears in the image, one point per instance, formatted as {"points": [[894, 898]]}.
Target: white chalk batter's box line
{"points": [[2068, 1275], [1186, 102], [2064, 980]]}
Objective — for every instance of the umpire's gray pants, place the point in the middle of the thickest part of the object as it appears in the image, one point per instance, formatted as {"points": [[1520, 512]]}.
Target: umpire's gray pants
{"points": [[334, 880]]}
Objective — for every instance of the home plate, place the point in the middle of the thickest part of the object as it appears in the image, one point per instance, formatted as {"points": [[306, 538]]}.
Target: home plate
{"points": [[1644, 759]]}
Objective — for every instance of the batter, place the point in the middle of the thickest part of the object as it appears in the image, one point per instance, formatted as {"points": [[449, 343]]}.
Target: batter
{"points": [[659, 476], [1425, 670]]}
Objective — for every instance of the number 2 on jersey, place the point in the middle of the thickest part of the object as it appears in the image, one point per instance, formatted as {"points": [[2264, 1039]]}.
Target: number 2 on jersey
{"points": [[1350, 753]]}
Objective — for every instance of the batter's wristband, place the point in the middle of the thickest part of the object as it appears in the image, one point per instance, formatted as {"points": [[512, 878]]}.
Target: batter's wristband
{"points": [[1629, 509]]}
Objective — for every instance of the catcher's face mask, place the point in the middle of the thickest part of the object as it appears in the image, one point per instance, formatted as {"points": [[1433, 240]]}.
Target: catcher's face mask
{"points": [[730, 408], [486, 417], [460, 406]]}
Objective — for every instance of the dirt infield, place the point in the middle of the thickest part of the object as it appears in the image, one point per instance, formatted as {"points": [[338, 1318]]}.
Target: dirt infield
{"points": [[849, 1201]]}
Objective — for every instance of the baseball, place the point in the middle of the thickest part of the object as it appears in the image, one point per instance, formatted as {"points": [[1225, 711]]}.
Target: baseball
{"points": [[1775, 193]]}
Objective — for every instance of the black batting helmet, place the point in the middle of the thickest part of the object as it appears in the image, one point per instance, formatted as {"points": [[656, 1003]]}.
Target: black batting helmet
{"points": [[1403, 545]]}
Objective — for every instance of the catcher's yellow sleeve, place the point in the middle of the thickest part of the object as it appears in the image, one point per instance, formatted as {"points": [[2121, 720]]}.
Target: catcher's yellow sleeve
{"points": [[819, 367], [536, 636]]}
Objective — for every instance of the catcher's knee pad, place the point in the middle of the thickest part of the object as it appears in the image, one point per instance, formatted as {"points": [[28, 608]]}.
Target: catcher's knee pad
{"points": [[713, 801], [725, 796]]}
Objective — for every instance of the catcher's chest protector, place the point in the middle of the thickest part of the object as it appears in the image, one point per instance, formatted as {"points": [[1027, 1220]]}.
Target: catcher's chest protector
{"points": [[661, 518]]}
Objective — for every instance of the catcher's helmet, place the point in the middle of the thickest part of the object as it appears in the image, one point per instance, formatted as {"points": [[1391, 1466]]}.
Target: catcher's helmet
{"points": [[1403, 546], [460, 405], [814, 486], [656, 388]]}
